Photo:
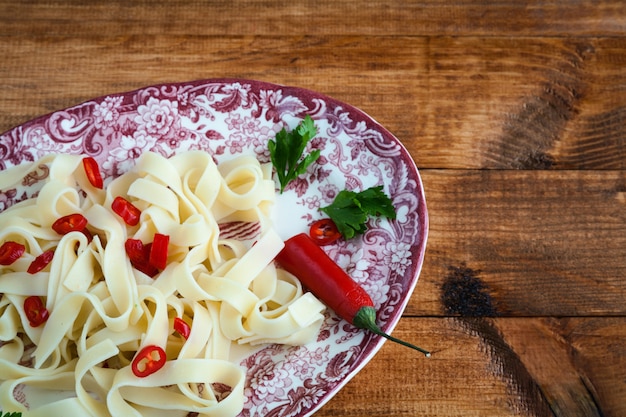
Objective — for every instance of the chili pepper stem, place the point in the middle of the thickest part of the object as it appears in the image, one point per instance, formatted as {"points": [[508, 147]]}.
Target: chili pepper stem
{"points": [[365, 318]]}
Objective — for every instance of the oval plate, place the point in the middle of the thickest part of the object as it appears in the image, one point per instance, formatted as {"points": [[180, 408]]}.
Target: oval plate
{"points": [[227, 117]]}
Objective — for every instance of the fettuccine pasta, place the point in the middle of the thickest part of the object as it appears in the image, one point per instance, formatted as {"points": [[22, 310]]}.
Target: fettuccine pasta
{"points": [[219, 278]]}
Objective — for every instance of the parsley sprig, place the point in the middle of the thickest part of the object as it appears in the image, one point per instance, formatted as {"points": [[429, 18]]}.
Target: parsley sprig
{"points": [[350, 210], [14, 414], [287, 150]]}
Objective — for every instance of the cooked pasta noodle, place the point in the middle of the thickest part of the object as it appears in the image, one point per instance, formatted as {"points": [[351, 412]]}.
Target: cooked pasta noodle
{"points": [[103, 310]]}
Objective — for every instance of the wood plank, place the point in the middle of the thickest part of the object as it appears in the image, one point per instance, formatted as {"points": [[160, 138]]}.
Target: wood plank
{"points": [[247, 17], [455, 102], [429, 386], [522, 104], [597, 352], [73, 69], [494, 367], [543, 243], [514, 112]]}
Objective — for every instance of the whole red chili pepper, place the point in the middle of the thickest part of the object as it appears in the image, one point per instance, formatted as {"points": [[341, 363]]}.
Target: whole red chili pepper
{"points": [[148, 360], [10, 252], [326, 280]]}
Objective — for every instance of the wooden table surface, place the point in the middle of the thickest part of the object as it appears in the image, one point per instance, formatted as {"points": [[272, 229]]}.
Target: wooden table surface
{"points": [[515, 113]]}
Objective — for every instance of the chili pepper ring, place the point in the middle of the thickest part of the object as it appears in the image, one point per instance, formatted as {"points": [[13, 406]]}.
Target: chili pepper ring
{"points": [[303, 258]]}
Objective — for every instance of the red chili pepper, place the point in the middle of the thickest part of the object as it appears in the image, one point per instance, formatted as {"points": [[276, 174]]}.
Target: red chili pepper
{"points": [[324, 232], [182, 327], [71, 223], [92, 169], [40, 262], [10, 252], [331, 284], [148, 360], [87, 234], [35, 310], [158, 252], [139, 255], [126, 210]]}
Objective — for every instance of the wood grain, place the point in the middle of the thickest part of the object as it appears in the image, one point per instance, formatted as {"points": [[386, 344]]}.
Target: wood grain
{"points": [[558, 235], [466, 102], [493, 368], [263, 17], [515, 113]]}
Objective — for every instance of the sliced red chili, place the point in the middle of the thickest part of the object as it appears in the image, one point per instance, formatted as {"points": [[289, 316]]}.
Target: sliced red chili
{"points": [[126, 210], [139, 255], [10, 252], [87, 234], [35, 311], [40, 262], [158, 252], [135, 249], [148, 360], [182, 327], [71, 223], [324, 232], [92, 169]]}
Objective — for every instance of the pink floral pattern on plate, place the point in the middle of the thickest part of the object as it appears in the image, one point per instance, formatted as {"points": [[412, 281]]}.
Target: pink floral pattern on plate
{"points": [[227, 117]]}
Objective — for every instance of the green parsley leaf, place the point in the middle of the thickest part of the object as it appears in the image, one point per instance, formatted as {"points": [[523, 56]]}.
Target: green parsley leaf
{"points": [[350, 210], [286, 152], [14, 414]]}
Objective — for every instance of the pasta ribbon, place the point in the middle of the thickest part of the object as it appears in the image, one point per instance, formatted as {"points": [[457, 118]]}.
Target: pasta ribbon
{"points": [[219, 278]]}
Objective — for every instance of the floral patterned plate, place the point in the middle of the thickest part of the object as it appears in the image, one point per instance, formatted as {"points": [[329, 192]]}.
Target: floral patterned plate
{"points": [[226, 117]]}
